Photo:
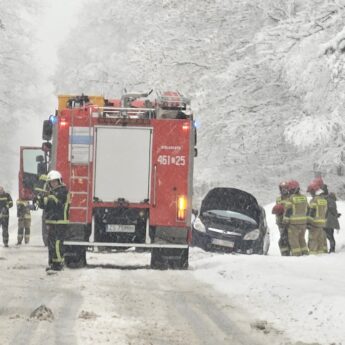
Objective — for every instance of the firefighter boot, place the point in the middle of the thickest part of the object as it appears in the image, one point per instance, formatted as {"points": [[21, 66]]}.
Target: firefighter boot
{"points": [[27, 239], [5, 241], [19, 240]]}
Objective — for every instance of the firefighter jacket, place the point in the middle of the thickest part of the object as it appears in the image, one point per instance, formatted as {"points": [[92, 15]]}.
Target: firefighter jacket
{"points": [[317, 211], [5, 203], [332, 221], [56, 205], [296, 207], [41, 185], [281, 200], [23, 209]]}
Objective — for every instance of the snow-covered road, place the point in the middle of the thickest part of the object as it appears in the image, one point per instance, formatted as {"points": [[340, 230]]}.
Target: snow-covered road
{"points": [[117, 299], [221, 299]]}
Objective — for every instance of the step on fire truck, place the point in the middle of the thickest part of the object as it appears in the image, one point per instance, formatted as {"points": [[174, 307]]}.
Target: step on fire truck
{"points": [[128, 164]]}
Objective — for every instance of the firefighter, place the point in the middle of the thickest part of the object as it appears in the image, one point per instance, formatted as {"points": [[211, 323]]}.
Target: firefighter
{"points": [[5, 204], [332, 218], [278, 210], [317, 242], [41, 185], [55, 204], [24, 221], [295, 218]]}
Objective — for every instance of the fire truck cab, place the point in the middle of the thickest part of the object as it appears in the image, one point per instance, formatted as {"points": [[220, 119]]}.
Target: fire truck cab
{"points": [[128, 165]]}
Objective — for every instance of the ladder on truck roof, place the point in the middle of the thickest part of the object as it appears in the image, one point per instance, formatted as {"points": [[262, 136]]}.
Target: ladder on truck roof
{"points": [[80, 146]]}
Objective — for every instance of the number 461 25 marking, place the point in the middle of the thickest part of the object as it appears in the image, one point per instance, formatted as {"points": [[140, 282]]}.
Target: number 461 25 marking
{"points": [[171, 160]]}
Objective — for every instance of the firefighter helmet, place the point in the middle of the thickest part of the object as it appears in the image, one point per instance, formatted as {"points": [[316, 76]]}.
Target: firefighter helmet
{"points": [[283, 187], [278, 209], [293, 186], [315, 184], [54, 175], [312, 187]]}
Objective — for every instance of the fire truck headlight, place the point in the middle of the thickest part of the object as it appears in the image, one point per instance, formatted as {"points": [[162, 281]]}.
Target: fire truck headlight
{"points": [[181, 207], [198, 225], [63, 122]]}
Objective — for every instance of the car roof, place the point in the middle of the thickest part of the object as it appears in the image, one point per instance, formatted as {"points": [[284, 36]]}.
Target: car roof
{"points": [[233, 199]]}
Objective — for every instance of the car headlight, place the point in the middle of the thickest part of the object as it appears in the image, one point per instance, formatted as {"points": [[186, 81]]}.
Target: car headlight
{"points": [[198, 225], [252, 236]]}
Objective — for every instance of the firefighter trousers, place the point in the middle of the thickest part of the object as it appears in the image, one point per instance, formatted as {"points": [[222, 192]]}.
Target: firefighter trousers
{"points": [[23, 230], [317, 242], [283, 242], [56, 235], [296, 236], [330, 237], [4, 225]]}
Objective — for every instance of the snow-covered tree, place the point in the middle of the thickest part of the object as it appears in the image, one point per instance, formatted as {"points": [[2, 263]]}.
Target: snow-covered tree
{"points": [[18, 92], [266, 79]]}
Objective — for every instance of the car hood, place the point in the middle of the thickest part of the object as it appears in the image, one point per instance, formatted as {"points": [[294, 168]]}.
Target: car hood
{"points": [[231, 199]]}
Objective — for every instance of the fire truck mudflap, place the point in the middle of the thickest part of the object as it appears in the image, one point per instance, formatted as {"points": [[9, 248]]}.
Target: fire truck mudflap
{"points": [[129, 169]]}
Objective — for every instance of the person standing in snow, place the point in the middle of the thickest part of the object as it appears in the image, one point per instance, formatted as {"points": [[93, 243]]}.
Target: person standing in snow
{"points": [[55, 203], [24, 221], [332, 216], [295, 218], [317, 219], [5, 204], [278, 210]]}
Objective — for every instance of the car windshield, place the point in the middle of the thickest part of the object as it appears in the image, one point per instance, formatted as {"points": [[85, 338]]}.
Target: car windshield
{"points": [[230, 214]]}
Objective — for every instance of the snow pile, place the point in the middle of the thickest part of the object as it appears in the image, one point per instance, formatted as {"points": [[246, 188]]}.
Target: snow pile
{"points": [[42, 313], [301, 297]]}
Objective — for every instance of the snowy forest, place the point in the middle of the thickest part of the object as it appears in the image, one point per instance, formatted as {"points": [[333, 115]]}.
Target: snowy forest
{"points": [[266, 79]]}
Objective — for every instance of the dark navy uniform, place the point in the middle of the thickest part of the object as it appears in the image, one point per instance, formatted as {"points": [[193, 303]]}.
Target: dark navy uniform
{"points": [[56, 207], [5, 204]]}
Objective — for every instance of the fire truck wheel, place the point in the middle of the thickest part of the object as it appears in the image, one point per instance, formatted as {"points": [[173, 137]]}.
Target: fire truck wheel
{"points": [[169, 258], [75, 257]]}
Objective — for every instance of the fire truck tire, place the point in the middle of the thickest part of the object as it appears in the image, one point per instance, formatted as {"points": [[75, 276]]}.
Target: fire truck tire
{"points": [[169, 258], [75, 257], [44, 231]]}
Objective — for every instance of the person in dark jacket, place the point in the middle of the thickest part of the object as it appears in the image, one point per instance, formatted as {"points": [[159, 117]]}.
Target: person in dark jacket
{"points": [[55, 203], [332, 218], [6, 203]]}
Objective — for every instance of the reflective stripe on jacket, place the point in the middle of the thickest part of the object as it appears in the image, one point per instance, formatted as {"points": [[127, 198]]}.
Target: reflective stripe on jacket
{"points": [[296, 208], [317, 211], [56, 205], [23, 209], [41, 184], [5, 203]]}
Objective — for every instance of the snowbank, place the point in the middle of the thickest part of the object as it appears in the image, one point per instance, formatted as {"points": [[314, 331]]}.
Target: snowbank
{"points": [[302, 297]]}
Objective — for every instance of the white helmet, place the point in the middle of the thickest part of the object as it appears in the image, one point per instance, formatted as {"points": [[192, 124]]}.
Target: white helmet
{"points": [[54, 175]]}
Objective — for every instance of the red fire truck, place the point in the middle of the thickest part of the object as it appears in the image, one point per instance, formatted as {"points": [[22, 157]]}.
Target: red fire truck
{"points": [[128, 164]]}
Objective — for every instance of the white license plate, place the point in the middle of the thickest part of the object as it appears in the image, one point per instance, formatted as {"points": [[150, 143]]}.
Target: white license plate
{"points": [[120, 228], [223, 243]]}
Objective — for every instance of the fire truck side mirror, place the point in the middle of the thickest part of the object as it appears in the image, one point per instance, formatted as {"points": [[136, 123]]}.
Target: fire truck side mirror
{"points": [[47, 130], [195, 152], [46, 147]]}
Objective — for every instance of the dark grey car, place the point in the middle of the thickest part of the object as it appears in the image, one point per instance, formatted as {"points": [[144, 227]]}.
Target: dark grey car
{"points": [[231, 220]]}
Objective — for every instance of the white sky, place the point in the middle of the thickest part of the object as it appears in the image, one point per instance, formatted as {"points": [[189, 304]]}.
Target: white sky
{"points": [[58, 18]]}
